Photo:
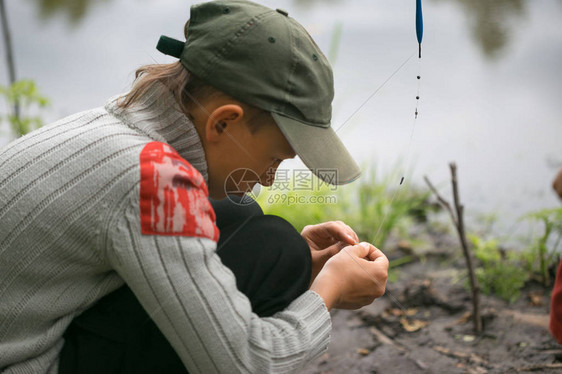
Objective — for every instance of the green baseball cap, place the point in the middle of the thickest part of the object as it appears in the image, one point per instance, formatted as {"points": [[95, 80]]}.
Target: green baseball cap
{"points": [[265, 58]]}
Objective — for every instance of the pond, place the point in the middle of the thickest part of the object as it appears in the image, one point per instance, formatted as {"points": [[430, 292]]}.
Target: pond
{"points": [[489, 94]]}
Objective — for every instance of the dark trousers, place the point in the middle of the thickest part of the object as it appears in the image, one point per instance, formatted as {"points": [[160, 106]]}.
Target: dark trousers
{"points": [[272, 265]]}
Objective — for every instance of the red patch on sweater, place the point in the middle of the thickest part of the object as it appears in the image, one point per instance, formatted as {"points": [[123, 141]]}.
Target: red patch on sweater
{"points": [[173, 195]]}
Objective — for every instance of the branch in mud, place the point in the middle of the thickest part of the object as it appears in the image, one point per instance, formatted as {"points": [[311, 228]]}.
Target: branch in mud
{"points": [[458, 221]]}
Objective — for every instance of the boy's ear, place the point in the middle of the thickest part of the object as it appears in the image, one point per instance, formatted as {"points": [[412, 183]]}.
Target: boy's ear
{"points": [[221, 119]]}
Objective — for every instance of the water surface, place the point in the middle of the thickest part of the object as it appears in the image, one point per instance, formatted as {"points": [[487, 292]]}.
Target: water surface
{"points": [[490, 89]]}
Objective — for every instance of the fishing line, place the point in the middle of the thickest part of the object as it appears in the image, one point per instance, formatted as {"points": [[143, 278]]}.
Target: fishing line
{"points": [[408, 152], [375, 92], [419, 35]]}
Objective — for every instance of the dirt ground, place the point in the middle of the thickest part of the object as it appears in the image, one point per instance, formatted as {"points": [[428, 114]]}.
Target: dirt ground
{"points": [[423, 325]]}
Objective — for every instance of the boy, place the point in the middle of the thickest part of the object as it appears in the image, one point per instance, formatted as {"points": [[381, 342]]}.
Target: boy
{"points": [[108, 208]]}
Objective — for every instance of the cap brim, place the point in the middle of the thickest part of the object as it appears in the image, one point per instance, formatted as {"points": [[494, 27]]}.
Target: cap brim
{"points": [[320, 149]]}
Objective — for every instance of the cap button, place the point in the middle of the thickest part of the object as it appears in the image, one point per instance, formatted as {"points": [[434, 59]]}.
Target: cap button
{"points": [[283, 12]]}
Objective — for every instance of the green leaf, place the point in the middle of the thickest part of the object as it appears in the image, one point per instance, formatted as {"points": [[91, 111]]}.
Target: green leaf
{"points": [[25, 94]]}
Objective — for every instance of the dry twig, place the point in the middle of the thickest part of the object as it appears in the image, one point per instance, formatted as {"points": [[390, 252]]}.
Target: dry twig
{"points": [[540, 367], [458, 221]]}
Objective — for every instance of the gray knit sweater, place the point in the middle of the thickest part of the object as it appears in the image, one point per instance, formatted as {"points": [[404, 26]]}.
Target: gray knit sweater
{"points": [[81, 210]]}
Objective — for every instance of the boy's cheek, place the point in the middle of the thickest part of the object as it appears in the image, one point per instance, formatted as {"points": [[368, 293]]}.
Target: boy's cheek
{"points": [[240, 181], [268, 178], [216, 185]]}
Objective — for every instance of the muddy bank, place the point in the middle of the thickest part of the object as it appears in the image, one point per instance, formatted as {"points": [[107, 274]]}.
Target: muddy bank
{"points": [[423, 325]]}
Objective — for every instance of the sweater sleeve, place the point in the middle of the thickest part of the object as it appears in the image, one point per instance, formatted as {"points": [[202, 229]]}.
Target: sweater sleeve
{"points": [[174, 271]]}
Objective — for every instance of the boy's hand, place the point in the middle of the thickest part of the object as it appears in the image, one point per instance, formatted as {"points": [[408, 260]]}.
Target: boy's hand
{"points": [[325, 240], [352, 278]]}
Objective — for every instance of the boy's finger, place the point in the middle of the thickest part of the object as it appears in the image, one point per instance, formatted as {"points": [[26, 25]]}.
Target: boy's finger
{"points": [[377, 256], [334, 249], [358, 250], [371, 248], [342, 232], [375, 253], [352, 234]]}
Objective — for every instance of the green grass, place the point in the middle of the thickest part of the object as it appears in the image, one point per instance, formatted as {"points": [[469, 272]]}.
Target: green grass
{"points": [[285, 203], [498, 271], [504, 272], [543, 251], [375, 206]]}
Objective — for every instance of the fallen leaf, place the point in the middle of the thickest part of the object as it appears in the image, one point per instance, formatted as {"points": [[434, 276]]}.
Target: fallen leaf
{"points": [[394, 312], [444, 350], [464, 318], [477, 359], [460, 354], [412, 325], [363, 351], [410, 312], [478, 370], [536, 298], [472, 370]]}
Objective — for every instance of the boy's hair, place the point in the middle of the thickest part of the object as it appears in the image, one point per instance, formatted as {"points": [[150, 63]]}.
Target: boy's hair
{"points": [[187, 89]]}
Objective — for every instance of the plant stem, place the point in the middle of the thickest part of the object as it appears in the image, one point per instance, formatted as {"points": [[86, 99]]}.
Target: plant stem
{"points": [[9, 53], [543, 252], [458, 221], [467, 254]]}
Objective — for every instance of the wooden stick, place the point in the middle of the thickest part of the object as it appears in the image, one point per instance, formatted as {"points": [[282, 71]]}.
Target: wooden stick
{"points": [[466, 251], [541, 367], [381, 337], [458, 221]]}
